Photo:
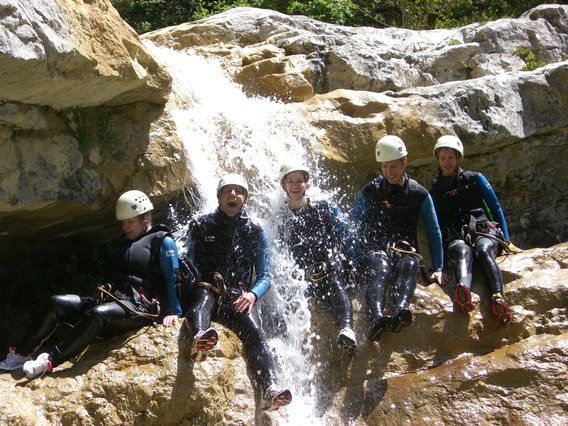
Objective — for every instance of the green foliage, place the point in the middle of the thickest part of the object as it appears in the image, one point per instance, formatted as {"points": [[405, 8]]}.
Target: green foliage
{"points": [[95, 125], [82, 133], [107, 132], [465, 69], [528, 56], [335, 11], [147, 15]]}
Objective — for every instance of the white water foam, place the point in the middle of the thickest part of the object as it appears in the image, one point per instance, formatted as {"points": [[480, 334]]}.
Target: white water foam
{"points": [[224, 131]]}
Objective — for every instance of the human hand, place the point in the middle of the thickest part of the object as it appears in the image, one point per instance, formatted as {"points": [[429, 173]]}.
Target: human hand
{"points": [[244, 302], [439, 278], [511, 248], [170, 320]]}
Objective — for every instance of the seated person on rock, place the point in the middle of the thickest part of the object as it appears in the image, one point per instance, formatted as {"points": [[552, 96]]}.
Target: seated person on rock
{"points": [[386, 213], [230, 251], [135, 276], [473, 226], [315, 235]]}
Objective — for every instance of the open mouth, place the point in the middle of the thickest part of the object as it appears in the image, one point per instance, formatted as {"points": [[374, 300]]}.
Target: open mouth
{"points": [[232, 204]]}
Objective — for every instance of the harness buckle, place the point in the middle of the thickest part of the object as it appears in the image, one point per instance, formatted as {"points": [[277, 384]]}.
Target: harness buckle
{"points": [[403, 247], [317, 272]]}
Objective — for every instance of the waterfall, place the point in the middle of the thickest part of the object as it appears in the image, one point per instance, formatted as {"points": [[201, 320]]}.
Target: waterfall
{"points": [[224, 131]]}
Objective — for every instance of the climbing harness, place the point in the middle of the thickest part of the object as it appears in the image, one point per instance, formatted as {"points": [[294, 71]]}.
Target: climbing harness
{"points": [[218, 287], [318, 272], [402, 247], [104, 291]]}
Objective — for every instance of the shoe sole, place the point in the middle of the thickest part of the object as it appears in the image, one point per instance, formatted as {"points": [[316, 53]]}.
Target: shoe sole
{"points": [[35, 375], [6, 369], [402, 320], [13, 367], [281, 400], [501, 310], [346, 342], [462, 296], [375, 335], [204, 344]]}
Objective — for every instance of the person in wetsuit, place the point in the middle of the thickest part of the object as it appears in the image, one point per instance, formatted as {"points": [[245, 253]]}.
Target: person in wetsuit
{"points": [[473, 226], [315, 235], [230, 252], [386, 213], [135, 280]]}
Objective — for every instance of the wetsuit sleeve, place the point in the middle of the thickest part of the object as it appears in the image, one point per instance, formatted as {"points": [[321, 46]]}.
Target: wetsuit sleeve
{"points": [[493, 203], [262, 267], [428, 215], [360, 206], [439, 216], [340, 226], [169, 265]]}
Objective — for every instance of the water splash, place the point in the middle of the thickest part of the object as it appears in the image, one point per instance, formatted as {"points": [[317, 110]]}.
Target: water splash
{"points": [[225, 131]]}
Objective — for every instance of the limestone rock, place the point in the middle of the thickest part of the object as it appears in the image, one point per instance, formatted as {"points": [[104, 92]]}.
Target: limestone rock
{"points": [[69, 54], [444, 368], [92, 114], [353, 85], [332, 57], [143, 378]]}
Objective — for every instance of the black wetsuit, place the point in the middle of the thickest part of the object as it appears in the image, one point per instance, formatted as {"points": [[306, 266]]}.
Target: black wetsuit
{"points": [[235, 248], [315, 236], [387, 214], [457, 198], [132, 264]]}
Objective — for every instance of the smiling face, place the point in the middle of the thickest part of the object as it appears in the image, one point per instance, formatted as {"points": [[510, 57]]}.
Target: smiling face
{"points": [[232, 198], [295, 185], [135, 226], [393, 170], [448, 160]]}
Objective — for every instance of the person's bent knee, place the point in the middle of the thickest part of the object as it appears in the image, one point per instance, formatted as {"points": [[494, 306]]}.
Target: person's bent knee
{"points": [[408, 261], [378, 260], [485, 248], [99, 315], [459, 247]]}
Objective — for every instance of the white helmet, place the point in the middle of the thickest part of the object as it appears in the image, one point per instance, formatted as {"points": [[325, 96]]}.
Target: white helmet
{"points": [[293, 167], [131, 204], [448, 141], [390, 148], [232, 179]]}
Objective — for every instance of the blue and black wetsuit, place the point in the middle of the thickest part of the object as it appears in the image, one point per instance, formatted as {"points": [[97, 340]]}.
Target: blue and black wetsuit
{"points": [[316, 236], [456, 199], [385, 214], [131, 266], [237, 250]]}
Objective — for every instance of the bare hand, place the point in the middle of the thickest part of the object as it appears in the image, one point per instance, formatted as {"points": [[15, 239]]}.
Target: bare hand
{"points": [[245, 302], [439, 278], [511, 248], [170, 320]]}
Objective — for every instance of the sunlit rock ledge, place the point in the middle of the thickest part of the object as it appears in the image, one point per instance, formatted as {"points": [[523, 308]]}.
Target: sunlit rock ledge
{"points": [[443, 369], [68, 149]]}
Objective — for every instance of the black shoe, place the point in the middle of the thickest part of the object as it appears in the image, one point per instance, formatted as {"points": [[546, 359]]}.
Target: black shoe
{"points": [[381, 324], [403, 318]]}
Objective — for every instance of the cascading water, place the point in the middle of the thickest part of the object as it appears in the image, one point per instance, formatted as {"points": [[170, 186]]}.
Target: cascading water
{"points": [[225, 131]]}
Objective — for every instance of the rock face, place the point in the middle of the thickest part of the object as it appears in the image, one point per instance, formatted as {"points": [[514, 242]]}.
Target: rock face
{"points": [[445, 368], [67, 145], [70, 54], [97, 99], [356, 84], [87, 112]]}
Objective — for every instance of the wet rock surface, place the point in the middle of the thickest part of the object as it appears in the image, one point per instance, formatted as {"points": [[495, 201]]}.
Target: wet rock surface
{"points": [[444, 368]]}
